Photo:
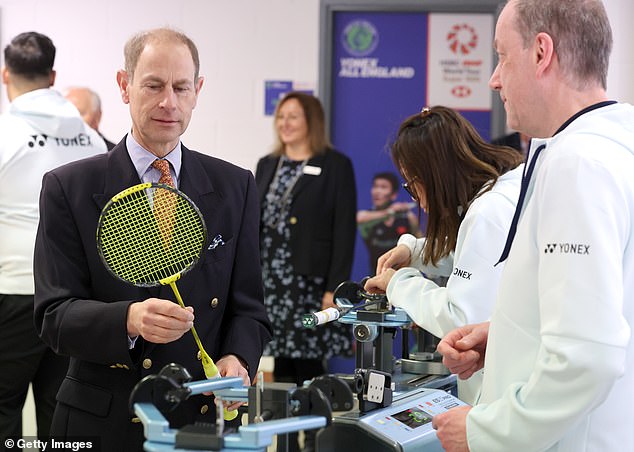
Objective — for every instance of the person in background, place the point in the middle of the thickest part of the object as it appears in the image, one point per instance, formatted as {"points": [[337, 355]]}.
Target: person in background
{"points": [[515, 140], [558, 353], [308, 203], [88, 103], [388, 219], [116, 333], [40, 131], [469, 190]]}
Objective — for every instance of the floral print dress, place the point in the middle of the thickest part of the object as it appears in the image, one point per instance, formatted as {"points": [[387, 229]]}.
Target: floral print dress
{"points": [[288, 295]]}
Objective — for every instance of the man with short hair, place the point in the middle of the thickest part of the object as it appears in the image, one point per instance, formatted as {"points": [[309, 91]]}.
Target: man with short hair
{"points": [[40, 131], [558, 356], [88, 103], [115, 333]]}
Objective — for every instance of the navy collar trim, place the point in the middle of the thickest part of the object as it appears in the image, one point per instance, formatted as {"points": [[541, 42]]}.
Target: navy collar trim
{"points": [[584, 111]]}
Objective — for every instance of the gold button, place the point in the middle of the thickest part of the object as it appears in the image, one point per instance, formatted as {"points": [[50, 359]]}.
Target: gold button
{"points": [[135, 420], [204, 409], [293, 220], [214, 302], [199, 355], [147, 363]]}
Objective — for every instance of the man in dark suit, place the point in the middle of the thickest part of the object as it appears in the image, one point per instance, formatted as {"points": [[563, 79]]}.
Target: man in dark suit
{"points": [[115, 333]]}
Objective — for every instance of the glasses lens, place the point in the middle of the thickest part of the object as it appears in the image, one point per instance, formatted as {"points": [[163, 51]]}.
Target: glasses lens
{"points": [[409, 190]]}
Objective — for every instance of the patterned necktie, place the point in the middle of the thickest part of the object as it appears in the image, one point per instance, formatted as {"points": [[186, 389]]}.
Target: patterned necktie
{"points": [[164, 167], [526, 178], [165, 203]]}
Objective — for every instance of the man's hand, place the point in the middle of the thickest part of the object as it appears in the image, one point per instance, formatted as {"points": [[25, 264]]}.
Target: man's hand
{"points": [[328, 301], [159, 321], [397, 257], [463, 349], [231, 366], [451, 429], [378, 284]]}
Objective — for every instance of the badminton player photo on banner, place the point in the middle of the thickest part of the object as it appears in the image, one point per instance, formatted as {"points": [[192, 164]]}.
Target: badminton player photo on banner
{"points": [[148, 255]]}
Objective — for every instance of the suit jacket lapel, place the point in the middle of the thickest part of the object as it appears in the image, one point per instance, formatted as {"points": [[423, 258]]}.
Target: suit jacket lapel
{"points": [[267, 172], [305, 179]]}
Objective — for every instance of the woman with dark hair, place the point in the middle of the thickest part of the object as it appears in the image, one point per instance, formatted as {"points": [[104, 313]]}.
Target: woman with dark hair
{"points": [[308, 230], [469, 189]]}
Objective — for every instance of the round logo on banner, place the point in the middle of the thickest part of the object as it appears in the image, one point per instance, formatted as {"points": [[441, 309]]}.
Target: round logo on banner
{"points": [[360, 38], [462, 39]]}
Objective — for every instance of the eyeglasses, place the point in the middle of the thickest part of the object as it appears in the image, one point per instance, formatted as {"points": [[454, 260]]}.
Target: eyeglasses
{"points": [[409, 189]]}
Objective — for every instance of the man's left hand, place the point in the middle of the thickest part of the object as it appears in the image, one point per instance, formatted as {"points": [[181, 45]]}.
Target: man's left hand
{"points": [[451, 428], [231, 366]]}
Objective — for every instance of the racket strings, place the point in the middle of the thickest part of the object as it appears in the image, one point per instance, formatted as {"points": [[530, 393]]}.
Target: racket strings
{"points": [[150, 235]]}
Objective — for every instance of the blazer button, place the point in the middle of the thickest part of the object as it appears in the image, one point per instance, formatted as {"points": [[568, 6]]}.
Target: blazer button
{"points": [[204, 409], [147, 363], [292, 220], [214, 302], [199, 355]]}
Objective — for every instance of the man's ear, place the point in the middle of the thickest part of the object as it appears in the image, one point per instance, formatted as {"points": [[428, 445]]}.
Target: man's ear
{"points": [[51, 78], [199, 84], [544, 52], [5, 75], [124, 83]]}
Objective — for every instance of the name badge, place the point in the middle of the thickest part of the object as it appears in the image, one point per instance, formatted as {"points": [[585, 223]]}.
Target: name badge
{"points": [[312, 170]]}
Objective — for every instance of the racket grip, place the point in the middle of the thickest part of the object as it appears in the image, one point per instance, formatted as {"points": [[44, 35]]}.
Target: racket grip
{"points": [[211, 371], [230, 415], [209, 367]]}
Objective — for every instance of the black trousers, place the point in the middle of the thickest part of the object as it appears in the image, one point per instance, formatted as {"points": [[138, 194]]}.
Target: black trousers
{"points": [[25, 360]]}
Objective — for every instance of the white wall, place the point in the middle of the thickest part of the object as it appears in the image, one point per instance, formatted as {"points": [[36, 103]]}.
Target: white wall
{"points": [[241, 43]]}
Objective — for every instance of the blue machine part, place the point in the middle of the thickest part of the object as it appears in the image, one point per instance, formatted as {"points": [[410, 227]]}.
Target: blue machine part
{"points": [[403, 426], [397, 318]]}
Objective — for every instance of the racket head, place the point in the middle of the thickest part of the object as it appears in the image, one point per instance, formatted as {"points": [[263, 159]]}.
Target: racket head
{"points": [[131, 237]]}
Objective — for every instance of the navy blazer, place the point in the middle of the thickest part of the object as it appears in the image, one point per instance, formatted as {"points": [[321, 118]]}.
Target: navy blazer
{"points": [[322, 219], [81, 309]]}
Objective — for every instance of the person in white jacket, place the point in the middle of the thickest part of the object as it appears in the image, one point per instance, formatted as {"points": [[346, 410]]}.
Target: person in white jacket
{"points": [[40, 131], [469, 189], [558, 354]]}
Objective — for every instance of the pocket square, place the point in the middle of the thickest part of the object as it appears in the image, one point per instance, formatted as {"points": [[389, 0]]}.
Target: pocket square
{"points": [[216, 242]]}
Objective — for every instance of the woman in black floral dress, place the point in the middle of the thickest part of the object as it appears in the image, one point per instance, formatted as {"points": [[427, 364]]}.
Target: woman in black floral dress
{"points": [[308, 197]]}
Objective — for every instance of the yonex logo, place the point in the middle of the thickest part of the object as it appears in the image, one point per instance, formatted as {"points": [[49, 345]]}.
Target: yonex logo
{"points": [[461, 273], [40, 140], [567, 248]]}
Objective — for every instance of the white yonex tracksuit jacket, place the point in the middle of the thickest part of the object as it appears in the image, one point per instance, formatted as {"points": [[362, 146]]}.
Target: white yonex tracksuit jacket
{"points": [[41, 131], [559, 369]]}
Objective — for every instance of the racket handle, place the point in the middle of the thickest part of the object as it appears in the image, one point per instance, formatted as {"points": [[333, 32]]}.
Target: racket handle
{"points": [[229, 415], [211, 371]]}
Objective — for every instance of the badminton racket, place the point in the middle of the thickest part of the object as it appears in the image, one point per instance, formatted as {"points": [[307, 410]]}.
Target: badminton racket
{"points": [[150, 235]]}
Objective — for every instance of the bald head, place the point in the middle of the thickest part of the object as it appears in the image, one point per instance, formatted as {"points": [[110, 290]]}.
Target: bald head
{"points": [[88, 103]]}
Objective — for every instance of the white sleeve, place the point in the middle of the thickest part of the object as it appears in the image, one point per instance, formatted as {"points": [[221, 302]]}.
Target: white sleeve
{"points": [[471, 288], [416, 245]]}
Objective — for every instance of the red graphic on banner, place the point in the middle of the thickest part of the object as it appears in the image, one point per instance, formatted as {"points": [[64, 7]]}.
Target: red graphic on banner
{"points": [[462, 39], [461, 91]]}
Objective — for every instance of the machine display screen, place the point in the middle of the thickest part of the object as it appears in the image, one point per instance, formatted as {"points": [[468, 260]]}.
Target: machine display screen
{"points": [[413, 417]]}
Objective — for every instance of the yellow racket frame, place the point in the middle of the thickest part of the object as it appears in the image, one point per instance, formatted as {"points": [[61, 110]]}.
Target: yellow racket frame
{"points": [[147, 249]]}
